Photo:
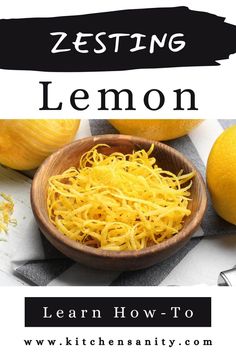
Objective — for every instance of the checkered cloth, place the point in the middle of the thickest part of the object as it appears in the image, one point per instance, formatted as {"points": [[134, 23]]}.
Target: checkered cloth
{"points": [[38, 263]]}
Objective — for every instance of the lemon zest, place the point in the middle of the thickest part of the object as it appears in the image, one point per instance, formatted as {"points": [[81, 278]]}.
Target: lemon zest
{"points": [[119, 202], [6, 210]]}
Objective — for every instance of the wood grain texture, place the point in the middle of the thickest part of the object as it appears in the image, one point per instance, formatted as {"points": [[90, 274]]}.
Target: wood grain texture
{"points": [[68, 156]]}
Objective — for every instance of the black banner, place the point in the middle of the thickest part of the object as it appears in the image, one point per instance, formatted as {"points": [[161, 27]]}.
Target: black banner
{"points": [[119, 40], [117, 312]]}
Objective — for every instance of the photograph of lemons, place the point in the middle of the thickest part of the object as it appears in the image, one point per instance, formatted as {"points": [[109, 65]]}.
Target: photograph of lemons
{"points": [[155, 129], [221, 175]]}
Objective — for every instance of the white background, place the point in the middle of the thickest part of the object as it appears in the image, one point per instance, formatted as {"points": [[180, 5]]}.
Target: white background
{"points": [[215, 87], [222, 332]]}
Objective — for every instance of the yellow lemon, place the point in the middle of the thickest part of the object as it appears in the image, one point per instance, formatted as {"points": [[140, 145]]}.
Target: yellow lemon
{"points": [[221, 175], [155, 129], [25, 143]]}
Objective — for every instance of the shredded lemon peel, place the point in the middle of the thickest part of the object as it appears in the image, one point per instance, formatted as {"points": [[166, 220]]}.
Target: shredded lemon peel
{"points": [[119, 202], [6, 211]]}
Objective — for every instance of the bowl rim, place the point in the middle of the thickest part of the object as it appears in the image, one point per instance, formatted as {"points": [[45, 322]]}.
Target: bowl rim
{"points": [[185, 233]]}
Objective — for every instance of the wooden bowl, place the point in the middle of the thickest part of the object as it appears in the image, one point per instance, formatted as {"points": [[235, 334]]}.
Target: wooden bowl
{"points": [[68, 156]]}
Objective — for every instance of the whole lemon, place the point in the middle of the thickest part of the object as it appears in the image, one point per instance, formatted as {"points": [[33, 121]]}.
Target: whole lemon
{"points": [[155, 129], [25, 143], [221, 175]]}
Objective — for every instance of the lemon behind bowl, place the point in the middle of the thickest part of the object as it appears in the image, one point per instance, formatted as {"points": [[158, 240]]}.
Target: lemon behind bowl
{"points": [[25, 143], [155, 129], [221, 175]]}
